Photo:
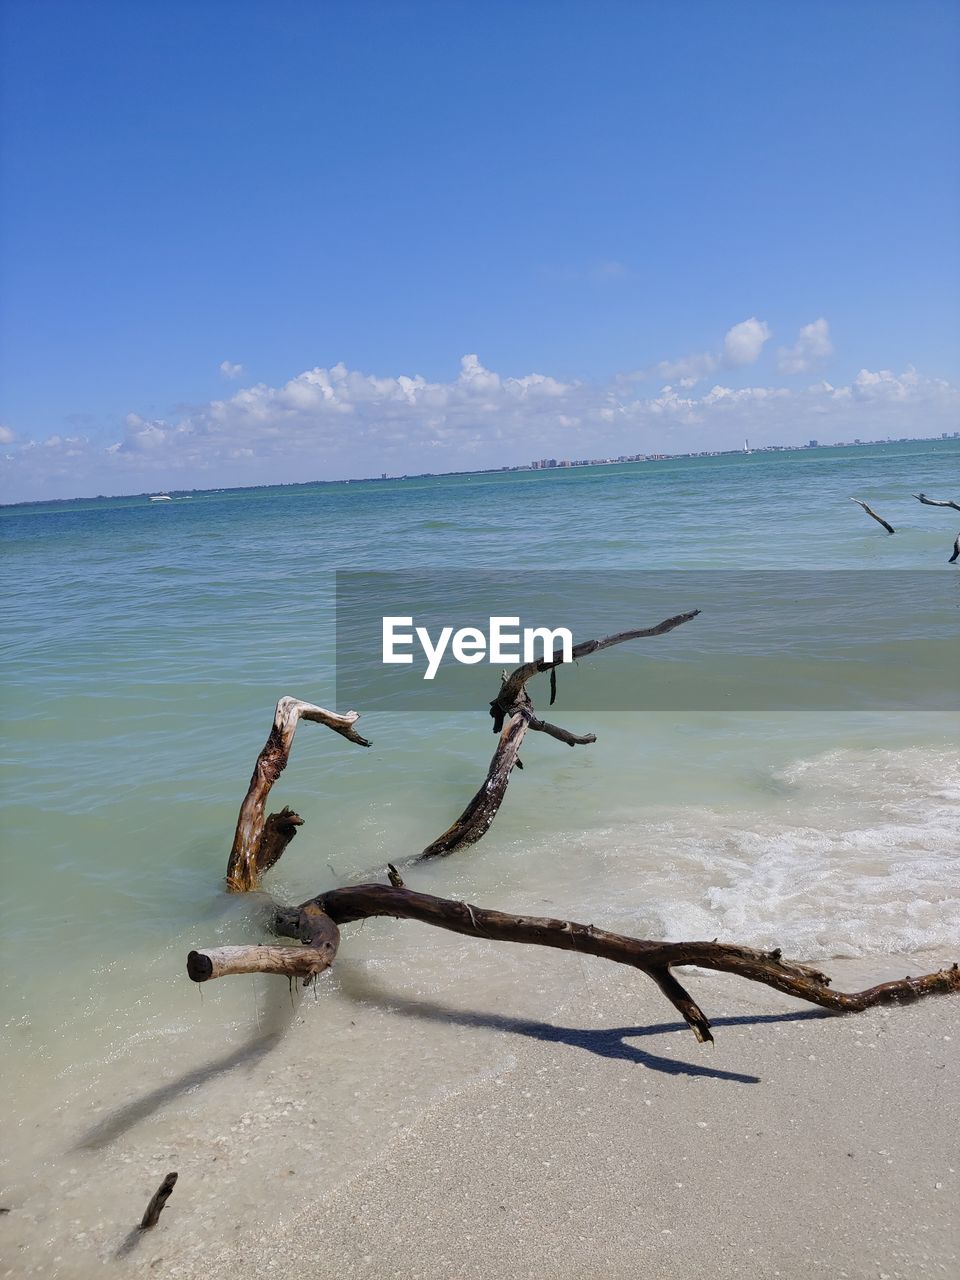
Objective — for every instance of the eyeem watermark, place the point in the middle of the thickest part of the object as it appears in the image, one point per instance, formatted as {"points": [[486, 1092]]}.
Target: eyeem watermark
{"points": [[503, 642], [765, 640]]}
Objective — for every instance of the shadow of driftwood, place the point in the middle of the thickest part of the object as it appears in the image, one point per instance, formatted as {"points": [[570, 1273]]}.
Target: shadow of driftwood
{"points": [[610, 1042], [280, 1013], [132, 1239]]}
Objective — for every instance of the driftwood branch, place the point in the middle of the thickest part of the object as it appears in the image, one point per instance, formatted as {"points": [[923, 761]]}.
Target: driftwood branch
{"points": [[513, 714], [514, 683], [259, 840], [932, 502], [656, 959], [314, 927], [561, 735], [158, 1202], [956, 550], [870, 512], [483, 807]]}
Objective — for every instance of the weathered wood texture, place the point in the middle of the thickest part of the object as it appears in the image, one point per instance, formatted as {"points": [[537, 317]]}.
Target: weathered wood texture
{"points": [[513, 714], [655, 959], [315, 928], [259, 840]]}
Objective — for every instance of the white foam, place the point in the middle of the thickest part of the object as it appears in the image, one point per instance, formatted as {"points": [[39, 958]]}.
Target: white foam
{"points": [[851, 853]]}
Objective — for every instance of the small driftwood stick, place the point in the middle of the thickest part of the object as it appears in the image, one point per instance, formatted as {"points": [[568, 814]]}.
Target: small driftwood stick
{"points": [[932, 502], [655, 959], [259, 841], [561, 735], [870, 512], [513, 714], [956, 551], [158, 1202]]}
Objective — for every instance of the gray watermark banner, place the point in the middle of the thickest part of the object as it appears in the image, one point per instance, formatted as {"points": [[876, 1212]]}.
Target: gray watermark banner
{"points": [[765, 640]]}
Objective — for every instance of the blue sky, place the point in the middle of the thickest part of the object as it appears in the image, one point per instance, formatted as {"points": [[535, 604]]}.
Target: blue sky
{"points": [[235, 234]]}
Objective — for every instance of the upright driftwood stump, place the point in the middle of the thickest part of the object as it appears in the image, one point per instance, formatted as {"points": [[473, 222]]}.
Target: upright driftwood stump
{"points": [[259, 841]]}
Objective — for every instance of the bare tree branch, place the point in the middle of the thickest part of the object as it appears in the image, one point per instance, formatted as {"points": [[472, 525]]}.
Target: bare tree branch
{"points": [[517, 679], [655, 959], [513, 714]]}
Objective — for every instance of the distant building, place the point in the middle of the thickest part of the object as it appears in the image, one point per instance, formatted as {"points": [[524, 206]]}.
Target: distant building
{"points": [[814, 444]]}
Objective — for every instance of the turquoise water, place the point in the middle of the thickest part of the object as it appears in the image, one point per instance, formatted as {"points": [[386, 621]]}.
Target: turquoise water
{"points": [[145, 645]]}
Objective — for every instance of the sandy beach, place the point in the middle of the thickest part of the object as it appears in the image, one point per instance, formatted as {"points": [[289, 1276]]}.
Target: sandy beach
{"points": [[603, 1142], [799, 1145]]}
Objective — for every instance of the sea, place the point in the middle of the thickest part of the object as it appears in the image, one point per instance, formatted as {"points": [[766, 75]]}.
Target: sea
{"points": [[145, 645]]}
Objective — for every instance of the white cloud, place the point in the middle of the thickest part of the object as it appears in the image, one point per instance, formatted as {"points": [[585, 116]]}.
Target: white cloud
{"points": [[744, 342], [742, 345], [688, 370], [885, 385], [231, 370], [813, 346], [331, 423], [7, 434]]}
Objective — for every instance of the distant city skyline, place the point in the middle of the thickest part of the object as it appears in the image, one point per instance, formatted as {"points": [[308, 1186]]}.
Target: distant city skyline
{"points": [[245, 242], [545, 464]]}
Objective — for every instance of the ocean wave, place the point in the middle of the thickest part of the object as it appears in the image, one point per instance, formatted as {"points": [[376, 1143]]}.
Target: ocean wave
{"points": [[857, 856]]}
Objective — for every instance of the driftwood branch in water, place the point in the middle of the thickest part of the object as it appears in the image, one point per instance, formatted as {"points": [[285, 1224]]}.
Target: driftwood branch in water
{"points": [[513, 714], [870, 512], [932, 502], [157, 1202], [259, 841], [655, 959], [956, 551], [316, 930]]}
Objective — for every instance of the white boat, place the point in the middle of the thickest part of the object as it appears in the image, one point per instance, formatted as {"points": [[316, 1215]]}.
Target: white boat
{"points": [[160, 497]]}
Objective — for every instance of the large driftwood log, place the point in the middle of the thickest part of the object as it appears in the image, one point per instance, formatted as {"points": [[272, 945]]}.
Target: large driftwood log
{"points": [[513, 714], [870, 512], [259, 841], [932, 502], [317, 923]]}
